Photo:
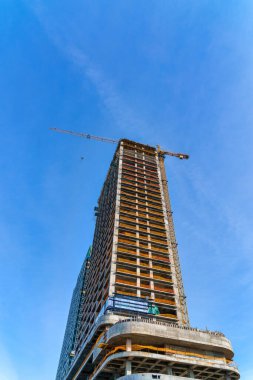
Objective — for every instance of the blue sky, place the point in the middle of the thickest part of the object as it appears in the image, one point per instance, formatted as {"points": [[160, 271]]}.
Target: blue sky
{"points": [[171, 72]]}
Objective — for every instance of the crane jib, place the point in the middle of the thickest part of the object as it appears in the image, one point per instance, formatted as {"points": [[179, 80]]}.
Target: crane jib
{"points": [[161, 153]]}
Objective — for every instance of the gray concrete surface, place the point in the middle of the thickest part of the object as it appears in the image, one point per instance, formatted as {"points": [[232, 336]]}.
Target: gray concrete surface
{"points": [[163, 333], [151, 376]]}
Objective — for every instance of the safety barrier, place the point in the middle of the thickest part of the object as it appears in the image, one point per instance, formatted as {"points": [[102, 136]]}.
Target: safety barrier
{"points": [[168, 324]]}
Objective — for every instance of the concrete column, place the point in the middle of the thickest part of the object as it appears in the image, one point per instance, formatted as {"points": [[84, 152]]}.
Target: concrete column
{"points": [[128, 368], [138, 283], [191, 374], [128, 344], [169, 370], [128, 362], [228, 377]]}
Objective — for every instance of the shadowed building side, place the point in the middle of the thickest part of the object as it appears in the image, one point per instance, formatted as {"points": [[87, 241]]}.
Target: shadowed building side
{"points": [[73, 323]]}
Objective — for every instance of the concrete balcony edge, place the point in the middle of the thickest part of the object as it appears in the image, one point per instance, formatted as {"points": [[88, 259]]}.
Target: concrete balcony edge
{"points": [[167, 333], [130, 354], [151, 376]]}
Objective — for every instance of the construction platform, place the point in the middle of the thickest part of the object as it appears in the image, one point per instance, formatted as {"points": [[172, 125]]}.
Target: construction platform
{"points": [[146, 348]]}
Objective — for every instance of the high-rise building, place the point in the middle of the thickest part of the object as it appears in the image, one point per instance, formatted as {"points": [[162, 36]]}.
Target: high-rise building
{"points": [[128, 318]]}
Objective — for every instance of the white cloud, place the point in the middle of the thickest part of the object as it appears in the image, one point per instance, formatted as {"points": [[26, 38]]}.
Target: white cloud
{"points": [[233, 217], [7, 369], [124, 116]]}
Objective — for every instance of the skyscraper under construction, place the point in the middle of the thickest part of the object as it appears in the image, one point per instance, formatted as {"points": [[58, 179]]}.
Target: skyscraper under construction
{"points": [[128, 318]]}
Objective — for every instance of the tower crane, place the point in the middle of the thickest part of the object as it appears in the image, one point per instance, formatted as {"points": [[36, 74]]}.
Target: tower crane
{"points": [[161, 155], [160, 151]]}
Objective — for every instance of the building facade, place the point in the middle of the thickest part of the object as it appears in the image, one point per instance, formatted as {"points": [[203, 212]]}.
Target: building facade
{"points": [[74, 321], [132, 318]]}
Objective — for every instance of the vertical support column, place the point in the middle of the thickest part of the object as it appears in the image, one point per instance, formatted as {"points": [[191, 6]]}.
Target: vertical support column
{"points": [[169, 370], [116, 225], [137, 243], [191, 374], [128, 362], [128, 368], [150, 263], [128, 345], [182, 312], [138, 278], [138, 281], [138, 270]]}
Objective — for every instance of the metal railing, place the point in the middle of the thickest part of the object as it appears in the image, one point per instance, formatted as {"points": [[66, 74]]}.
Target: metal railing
{"points": [[169, 324]]}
